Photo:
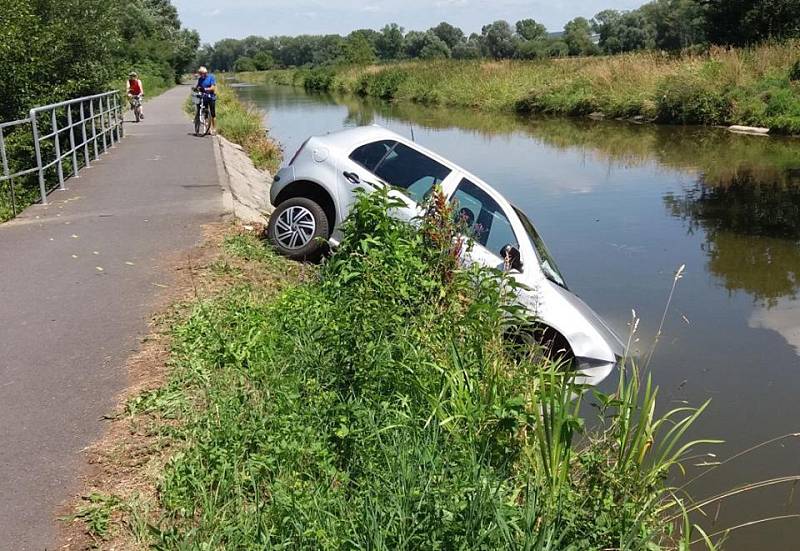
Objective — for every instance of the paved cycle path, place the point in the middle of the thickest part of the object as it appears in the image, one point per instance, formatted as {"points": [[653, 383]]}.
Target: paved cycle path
{"points": [[78, 281]]}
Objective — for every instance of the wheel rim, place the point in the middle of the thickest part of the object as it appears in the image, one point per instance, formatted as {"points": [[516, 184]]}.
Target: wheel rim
{"points": [[295, 227]]}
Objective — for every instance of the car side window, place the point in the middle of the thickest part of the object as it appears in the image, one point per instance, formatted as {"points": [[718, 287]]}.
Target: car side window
{"points": [[412, 171], [371, 154], [486, 220]]}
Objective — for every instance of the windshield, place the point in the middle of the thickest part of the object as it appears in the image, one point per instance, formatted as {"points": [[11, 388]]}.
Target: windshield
{"points": [[546, 260]]}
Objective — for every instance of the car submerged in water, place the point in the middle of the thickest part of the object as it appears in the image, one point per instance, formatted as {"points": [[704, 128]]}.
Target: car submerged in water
{"points": [[314, 193]]}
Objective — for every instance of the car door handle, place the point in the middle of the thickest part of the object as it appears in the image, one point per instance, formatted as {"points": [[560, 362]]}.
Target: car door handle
{"points": [[352, 177]]}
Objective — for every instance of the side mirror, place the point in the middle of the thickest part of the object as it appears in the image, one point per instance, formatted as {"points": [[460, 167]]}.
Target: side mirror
{"points": [[511, 257]]}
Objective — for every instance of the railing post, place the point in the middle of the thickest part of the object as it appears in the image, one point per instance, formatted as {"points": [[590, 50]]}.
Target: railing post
{"points": [[94, 129], [57, 145], [103, 125], [84, 141], [6, 174], [72, 142], [120, 117], [116, 118], [120, 107], [38, 150]]}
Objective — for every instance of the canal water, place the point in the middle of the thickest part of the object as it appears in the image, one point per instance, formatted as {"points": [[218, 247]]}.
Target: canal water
{"points": [[621, 207]]}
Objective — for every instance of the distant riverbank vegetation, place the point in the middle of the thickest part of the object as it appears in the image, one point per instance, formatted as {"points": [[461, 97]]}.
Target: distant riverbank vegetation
{"points": [[52, 51], [676, 61], [751, 86]]}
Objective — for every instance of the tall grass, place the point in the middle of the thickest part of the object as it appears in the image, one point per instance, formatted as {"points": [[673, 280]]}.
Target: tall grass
{"points": [[752, 86], [382, 406]]}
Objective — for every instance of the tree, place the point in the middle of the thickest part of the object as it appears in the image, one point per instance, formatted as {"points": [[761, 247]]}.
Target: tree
{"points": [[531, 49], [244, 64], [434, 48], [425, 45], [578, 37], [624, 31], [358, 50], [471, 49], [389, 44], [557, 48], [499, 39], [449, 34], [263, 61], [740, 22], [529, 29], [677, 23]]}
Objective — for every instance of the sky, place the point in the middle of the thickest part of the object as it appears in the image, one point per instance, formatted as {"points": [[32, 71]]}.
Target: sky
{"points": [[217, 19]]}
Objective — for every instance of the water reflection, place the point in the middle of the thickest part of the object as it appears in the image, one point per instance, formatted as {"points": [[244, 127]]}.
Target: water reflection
{"points": [[751, 221]]}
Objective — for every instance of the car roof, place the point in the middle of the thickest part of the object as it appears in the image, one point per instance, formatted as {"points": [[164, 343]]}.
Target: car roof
{"points": [[350, 138]]}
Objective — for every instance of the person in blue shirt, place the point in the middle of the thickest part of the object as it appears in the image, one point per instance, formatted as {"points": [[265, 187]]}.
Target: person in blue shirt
{"points": [[207, 84]]}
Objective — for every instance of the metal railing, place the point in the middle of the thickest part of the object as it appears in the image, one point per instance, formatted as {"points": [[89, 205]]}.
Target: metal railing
{"points": [[71, 133]]}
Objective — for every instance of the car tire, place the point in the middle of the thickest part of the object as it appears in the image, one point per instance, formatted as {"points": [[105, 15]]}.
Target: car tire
{"points": [[299, 229]]}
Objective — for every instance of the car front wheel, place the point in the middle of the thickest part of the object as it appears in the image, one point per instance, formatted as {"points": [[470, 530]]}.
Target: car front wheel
{"points": [[298, 229]]}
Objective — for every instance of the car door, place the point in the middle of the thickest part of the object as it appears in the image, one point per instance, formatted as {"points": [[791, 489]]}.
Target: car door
{"points": [[488, 223], [410, 173]]}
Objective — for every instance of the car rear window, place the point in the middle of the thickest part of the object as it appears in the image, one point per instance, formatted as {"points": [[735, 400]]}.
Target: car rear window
{"points": [[401, 166], [371, 154]]}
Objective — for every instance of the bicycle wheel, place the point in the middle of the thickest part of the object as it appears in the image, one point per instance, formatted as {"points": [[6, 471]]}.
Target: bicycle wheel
{"points": [[137, 113], [206, 121], [197, 123]]}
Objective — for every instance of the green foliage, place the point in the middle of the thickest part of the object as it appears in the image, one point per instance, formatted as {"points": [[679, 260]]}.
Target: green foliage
{"points": [[358, 50], [381, 406], [750, 21], [578, 36], [389, 44], [96, 514], [499, 40], [58, 50], [529, 29], [448, 34], [244, 64], [689, 100]]}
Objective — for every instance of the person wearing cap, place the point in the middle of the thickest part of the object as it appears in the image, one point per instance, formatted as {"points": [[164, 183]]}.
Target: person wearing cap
{"points": [[207, 84], [135, 88]]}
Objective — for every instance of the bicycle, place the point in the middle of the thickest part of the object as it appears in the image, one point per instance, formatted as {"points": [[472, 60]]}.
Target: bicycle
{"points": [[202, 118], [136, 106]]}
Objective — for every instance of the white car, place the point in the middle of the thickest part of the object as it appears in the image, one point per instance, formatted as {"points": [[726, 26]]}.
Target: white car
{"points": [[313, 195]]}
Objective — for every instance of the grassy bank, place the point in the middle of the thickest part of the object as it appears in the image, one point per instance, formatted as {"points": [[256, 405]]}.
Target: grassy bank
{"points": [[379, 404], [244, 125], [757, 86]]}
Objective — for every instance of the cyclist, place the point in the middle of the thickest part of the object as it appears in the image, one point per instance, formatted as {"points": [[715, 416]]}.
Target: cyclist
{"points": [[207, 84], [135, 88]]}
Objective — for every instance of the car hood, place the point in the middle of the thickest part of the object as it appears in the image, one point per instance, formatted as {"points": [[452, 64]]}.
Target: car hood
{"points": [[588, 334]]}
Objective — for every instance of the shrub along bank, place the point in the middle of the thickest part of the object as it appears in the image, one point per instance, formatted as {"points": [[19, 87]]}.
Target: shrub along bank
{"points": [[380, 405], [752, 86]]}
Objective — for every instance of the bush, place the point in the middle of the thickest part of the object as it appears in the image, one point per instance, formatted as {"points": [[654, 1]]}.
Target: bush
{"points": [[689, 100], [380, 406], [383, 84], [319, 80]]}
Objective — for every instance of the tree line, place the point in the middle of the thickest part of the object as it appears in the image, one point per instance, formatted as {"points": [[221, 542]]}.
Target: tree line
{"points": [[52, 50], [659, 24]]}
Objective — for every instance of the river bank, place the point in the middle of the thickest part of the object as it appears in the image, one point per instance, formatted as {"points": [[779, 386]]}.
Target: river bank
{"points": [[757, 86]]}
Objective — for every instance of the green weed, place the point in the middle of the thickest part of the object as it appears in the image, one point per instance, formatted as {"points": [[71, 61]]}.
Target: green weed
{"points": [[381, 405]]}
